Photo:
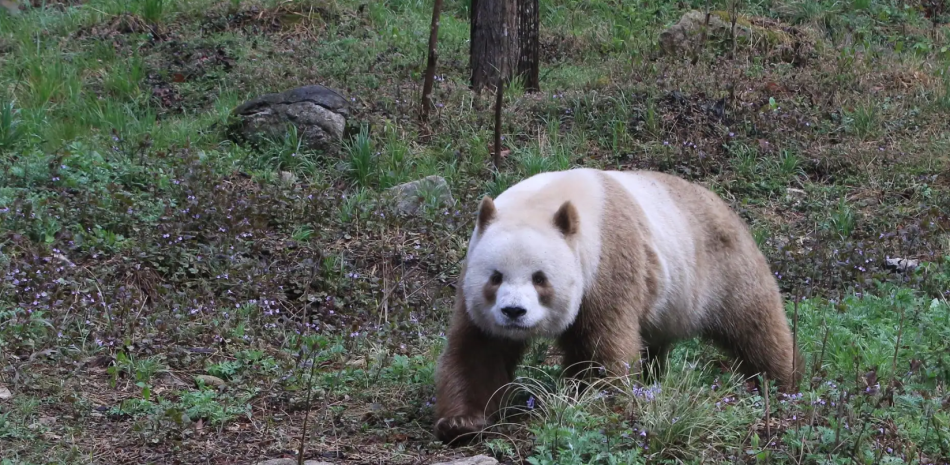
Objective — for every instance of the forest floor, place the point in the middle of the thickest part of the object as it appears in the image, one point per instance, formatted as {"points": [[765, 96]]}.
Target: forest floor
{"points": [[167, 296]]}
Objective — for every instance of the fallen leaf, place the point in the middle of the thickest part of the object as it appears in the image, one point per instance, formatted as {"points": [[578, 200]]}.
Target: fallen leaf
{"points": [[491, 150], [48, 353]]}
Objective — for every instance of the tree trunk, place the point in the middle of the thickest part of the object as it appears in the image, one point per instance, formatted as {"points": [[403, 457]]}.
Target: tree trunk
{"points": [[528, 60], [494, 42]]}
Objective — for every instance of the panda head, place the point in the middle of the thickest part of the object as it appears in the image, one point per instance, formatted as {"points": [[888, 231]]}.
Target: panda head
{"points": [[523, 277]]}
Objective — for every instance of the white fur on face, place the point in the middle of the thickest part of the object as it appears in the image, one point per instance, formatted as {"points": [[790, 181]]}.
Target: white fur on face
{"points": [[518, 253]]}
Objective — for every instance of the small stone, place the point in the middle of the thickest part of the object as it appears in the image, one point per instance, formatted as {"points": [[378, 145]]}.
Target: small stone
{"points": [[412, 195], [42, 422], [11, 7], [287, 178], [900, 264], [476, 460], [5, 393], [209, 380], [63, 259], [98, 361]]}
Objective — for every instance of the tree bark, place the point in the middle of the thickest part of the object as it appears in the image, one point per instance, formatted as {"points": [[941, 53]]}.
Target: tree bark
{"points": [[494, 42], [528, 38], [430, 66]]}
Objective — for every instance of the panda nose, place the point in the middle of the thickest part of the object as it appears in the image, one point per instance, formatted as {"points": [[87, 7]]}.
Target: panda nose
{"points": [[514, 312]]}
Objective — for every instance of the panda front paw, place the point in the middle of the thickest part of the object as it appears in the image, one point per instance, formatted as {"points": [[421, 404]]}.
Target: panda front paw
{"points": [[459, 429]]}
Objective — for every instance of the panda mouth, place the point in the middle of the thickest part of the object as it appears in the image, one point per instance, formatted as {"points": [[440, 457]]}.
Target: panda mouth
{"points": [[517, 327]]}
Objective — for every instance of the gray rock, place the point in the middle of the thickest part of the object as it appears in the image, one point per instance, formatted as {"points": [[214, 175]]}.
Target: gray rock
{"points": [[318, 112], [11, 7], [765, 35], [682, 35], [900, 264], [209, 380], [412, 195], [476, 460], [287, 178]]}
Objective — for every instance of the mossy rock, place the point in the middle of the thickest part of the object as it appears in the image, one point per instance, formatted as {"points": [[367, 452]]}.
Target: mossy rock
{"points": [[759, 35], [319, 114]]}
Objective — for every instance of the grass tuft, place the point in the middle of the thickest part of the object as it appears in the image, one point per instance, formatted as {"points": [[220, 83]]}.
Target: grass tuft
{"points": [[11, 126], [680, 417], [362, 158]]}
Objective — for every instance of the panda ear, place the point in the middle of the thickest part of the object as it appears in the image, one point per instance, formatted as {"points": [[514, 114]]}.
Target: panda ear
{"points": [[566, 219], [486, 213]]}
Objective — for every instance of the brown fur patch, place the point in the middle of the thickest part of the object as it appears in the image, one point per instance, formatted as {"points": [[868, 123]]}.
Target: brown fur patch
{"points": [[470, 370], [651, 280], [566, 219], [607, 329], [490, 291], [486, 213], [545, 293], [749, 319]]}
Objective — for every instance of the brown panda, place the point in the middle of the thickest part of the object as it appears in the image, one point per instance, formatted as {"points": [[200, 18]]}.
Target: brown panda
{"points": [[607, 263]]}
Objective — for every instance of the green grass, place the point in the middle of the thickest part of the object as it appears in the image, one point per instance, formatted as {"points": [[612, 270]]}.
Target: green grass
{"points": [[140, 248]]}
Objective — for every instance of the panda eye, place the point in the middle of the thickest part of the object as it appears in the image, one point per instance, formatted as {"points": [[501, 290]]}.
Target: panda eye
{"points": [[495, 278], [539, 279]]}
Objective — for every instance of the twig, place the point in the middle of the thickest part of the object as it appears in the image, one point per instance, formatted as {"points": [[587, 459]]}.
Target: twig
{"points": [[430, 65], [734, 15], [702, 37], [306, 415], [821, 355], [840, 406], [897, 345], [795, 332], [765, 391], [499, 94]]}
